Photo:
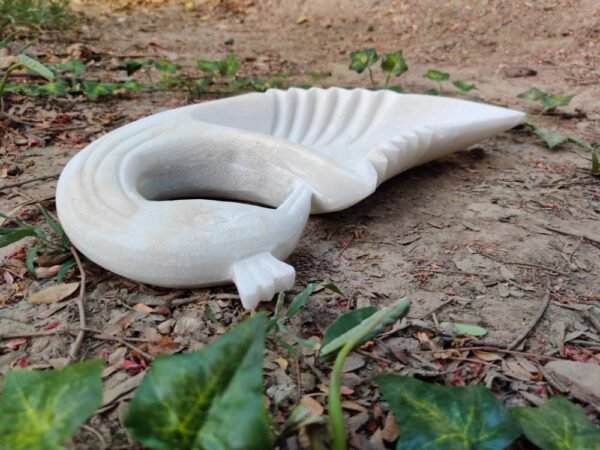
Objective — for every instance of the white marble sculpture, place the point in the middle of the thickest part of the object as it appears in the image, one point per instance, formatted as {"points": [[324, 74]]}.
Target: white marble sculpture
{"points": [[299, 151]]}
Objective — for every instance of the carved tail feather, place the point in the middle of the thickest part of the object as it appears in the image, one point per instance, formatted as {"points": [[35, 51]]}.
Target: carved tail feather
{"points": [[260, 277]]}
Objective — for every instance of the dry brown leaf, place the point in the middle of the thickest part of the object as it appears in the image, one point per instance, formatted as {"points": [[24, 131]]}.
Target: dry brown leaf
{"points": [[390, 431], [143, 308], [53, 294], [47, 272], [314, 406], [120, 324], [514, 370], [353, 406], [487, 356], [283, 363]]}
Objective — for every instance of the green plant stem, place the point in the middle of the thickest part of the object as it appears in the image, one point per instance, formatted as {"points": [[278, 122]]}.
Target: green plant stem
{"points": [[5, 77], [334, 400], [371, 77], [387, 79], [440, 87]]}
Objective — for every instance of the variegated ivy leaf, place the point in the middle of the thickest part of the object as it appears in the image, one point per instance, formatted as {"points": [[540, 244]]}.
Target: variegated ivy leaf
{"points": [[40, 410], [361, 60], [436, 75], [211, 399], [558, 425], [447, 418]]}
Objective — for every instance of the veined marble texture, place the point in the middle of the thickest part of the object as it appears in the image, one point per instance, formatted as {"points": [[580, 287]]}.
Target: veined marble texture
{"points": [[143, 200]]}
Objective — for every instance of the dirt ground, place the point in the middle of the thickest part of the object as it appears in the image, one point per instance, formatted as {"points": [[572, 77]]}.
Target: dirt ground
{"points": [[485, 236]]}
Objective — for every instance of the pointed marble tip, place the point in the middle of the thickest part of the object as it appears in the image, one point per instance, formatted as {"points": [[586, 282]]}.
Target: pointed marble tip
{"points": [[259, 277]]}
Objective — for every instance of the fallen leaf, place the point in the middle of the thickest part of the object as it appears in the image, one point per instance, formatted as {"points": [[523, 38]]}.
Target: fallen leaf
{"points": [[47, 272], [314, 406], [283, 363], [353, 406], [51, 325], [143, 308], [15, 343], [487, 356], [345, 390], [53, 294], [390, 431]]}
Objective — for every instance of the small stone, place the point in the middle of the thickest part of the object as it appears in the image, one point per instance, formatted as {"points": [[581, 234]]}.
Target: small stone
{"points": [[503, 291], [228, 41], [308, 381], [166, 326], [580, 378]]}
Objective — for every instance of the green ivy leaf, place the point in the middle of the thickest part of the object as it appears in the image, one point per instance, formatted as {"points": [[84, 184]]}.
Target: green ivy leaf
{"points": [[360, 60], [533, 95], [447, 418], [166, 66], [551, 138], [237, 84], [35, 66], [263, 85], [133, 66], [208, 66], [229, 66], [56, 87], [551, 101], [346, 322], [42, 409], [558, 425], [394, 63], [211, 399], [131, 85], [463, 86], [95, 89], [318, 74], [432, 91], [299, 300], [436, 75], [74, 67], [396, 89], [370, 326]]}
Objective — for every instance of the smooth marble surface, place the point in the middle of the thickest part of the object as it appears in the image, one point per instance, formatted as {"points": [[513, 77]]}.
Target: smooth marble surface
{"points": [[146, 200]]}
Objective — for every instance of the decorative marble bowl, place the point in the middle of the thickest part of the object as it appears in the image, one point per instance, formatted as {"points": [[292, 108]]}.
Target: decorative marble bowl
{"points": [[296, 151]]}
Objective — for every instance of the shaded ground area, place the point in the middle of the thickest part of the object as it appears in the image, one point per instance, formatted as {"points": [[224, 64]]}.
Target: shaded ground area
{"points": [[486, 236]]}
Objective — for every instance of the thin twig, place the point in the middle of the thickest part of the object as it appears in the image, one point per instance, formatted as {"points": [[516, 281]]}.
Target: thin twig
{"points": [[104, 337], [535, 320], [574, 233], [80, 306], [17, 120], [488, 348], [31, 180], [95, 334], [516, 263]]}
